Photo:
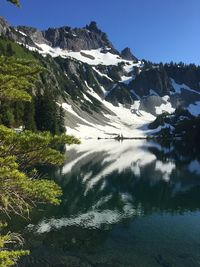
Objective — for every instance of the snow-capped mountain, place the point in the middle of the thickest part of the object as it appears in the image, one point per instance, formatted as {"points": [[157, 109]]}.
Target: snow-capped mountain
{"points": [[103, 91]]}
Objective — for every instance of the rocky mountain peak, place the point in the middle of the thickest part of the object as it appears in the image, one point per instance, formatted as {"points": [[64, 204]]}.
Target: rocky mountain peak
{"points": [[93, 27], [77, 39], [67, 38], [127, 54]]}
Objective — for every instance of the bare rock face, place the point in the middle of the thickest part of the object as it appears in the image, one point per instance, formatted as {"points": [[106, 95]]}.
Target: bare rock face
{"points": [[155, 79], [74, 39], [4, 26], [14, 33], [127, 54], [77, 39], [35, 35]]}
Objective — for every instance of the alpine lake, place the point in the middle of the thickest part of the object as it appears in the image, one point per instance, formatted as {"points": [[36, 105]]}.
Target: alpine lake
{"points": [[134, 203]]}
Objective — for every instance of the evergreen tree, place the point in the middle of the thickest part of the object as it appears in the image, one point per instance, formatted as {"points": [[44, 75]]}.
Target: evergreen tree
{"points": [[61, 119], [48, 115], [17, 76], [29, 116], [2, 50], [18, 112], [6, 115], [9, 50]]}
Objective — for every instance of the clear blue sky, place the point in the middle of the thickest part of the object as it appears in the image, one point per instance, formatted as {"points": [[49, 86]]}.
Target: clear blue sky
{"points": [[157, 30]]}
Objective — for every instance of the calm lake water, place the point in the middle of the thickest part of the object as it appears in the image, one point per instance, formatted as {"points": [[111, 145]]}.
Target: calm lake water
{"points": [[134, 204]]}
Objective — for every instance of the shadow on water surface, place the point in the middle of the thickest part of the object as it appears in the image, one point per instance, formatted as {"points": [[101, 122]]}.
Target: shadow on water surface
{"points": [[134, 203]]}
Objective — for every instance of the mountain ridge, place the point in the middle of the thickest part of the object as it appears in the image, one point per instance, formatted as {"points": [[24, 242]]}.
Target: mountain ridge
{"points": [[73, 39], [105, 91]]}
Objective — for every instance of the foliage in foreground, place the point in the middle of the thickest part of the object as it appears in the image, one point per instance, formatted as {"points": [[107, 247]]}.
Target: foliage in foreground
{"points": [[9, 257], [20, 186], [16, 76]]}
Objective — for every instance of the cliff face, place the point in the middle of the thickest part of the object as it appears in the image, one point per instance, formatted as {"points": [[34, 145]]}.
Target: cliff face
{"points": [[88, 38], [33, 34], [155, 79], [14, 34]]}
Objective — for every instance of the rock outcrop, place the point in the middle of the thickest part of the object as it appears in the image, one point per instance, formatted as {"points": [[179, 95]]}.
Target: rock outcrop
{"points": [[127, 54]]}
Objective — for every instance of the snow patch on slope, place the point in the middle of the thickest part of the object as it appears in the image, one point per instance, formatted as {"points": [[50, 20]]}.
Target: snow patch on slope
{"points": [[130, 122], [102, 74], [91, 57], [120, 119], [127, 79], [22, 33], [165, 107], [179, 87]]}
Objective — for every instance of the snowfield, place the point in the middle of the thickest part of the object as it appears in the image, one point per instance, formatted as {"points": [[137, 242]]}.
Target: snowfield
{"points": [[165, 107], [129, 122], [121, 120], [91, 57]]}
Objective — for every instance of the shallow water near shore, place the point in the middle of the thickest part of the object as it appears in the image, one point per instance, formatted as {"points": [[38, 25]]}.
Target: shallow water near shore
{"points": [[131, 203]]}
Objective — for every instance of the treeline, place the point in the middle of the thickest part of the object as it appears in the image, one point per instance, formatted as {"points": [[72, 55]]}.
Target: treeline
{"points": [[150, 64]]}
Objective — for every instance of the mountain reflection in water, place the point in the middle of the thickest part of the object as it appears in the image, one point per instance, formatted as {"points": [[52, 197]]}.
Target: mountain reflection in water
{"points": [[129, 192]]}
